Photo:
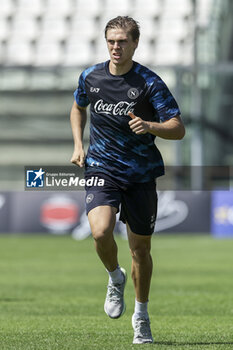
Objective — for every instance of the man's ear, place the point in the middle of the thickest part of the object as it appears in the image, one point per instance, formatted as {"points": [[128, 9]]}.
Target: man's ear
{"points": [[136, 43]]}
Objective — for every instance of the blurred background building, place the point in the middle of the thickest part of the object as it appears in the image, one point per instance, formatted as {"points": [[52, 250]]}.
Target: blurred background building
{"points": [[45, 44]]}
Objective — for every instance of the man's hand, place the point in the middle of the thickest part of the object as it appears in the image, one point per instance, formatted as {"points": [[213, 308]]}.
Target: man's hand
{"points": [[138, 125], [78, 157], [172, 129]]}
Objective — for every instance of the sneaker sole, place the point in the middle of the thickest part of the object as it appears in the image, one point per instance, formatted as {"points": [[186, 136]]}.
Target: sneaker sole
{"points": [[144, 342]]}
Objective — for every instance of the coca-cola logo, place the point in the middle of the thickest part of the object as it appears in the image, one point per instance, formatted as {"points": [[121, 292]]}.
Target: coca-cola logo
{"points": [[120, 108]]}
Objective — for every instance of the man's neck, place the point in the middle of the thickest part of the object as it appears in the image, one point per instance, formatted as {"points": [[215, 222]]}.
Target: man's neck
{"points": [[116, 69]]}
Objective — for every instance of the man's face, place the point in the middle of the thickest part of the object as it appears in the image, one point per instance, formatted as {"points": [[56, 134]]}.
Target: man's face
{"points": [[121, 46]]}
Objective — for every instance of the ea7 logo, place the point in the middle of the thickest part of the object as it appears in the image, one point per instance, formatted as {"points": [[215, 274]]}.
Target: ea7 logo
{"points": [[92, 89]]}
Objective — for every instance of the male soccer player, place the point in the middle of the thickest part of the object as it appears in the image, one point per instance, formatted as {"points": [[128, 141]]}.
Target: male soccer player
{"points": [[130, 105]]}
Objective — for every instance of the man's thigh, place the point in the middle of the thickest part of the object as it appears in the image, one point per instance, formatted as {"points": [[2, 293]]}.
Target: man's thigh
{"points": [[139, 208], [137, 241], [102, 221], [102, 204]]}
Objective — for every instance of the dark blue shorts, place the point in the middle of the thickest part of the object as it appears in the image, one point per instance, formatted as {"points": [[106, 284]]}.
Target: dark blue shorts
{"points": [[138, 202]]}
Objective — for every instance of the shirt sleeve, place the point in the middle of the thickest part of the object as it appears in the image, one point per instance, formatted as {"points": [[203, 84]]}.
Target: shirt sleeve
{"points": [[163, 101], [80, 94]]}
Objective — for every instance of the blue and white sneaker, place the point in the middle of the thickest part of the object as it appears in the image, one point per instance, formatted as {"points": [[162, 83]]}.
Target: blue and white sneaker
{"points": [[142, 331], [114, 305]]}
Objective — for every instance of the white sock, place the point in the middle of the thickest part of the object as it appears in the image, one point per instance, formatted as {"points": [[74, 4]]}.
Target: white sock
{"points": [[116, 276], [140, 309]]}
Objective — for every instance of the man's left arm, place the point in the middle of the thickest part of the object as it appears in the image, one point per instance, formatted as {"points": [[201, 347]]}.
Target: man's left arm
{"points": [[172, 129]]}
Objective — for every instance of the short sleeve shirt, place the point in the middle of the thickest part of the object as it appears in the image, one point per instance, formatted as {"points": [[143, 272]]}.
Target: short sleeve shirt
{"points": [[114, 148]]}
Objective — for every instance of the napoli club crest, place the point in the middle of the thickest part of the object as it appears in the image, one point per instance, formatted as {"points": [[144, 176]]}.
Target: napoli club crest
{"points": [[133, 93]]}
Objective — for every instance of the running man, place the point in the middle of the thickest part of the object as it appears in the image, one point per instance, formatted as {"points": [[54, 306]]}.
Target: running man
{"points": [[129, 105]]}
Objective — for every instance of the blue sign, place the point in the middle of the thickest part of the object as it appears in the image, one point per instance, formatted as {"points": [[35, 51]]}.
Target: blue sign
{"points": [[35, 178], [222, 214]]}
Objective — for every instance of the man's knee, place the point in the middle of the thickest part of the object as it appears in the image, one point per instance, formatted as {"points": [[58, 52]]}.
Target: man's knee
{"points": [[141, 253], [101, 233]]}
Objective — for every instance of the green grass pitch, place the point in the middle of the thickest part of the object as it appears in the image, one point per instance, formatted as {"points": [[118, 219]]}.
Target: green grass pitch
{"points": [[52, 292]]}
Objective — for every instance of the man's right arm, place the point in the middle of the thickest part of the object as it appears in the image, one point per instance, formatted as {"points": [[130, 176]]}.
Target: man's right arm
{"points": [[78, 117]]}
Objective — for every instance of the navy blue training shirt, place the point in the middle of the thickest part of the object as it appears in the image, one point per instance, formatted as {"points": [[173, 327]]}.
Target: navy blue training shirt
{"points": [[114, 148]]}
